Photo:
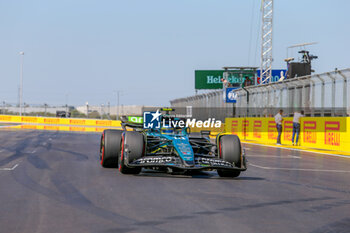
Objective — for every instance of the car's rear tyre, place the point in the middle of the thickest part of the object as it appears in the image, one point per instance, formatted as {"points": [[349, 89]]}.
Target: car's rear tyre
{"points": [[230, 151], [110, 147], [132, 148]]}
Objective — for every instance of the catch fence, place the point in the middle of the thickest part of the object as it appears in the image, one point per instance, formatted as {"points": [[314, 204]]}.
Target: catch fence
{"points": [[325, 94]]}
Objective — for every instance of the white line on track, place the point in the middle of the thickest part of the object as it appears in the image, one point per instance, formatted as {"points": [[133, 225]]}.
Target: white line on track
{"points": [[33, 152], [274, 156], [9, 169], [299, 169], [295, 149], [6, 126]]}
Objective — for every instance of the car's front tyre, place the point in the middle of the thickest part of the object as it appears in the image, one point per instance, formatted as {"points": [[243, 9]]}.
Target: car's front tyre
{"points": [[132, 148], [230, 150], [110, 147]]}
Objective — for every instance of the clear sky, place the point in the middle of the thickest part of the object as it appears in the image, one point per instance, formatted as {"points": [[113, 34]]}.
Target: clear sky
{"points": [[86, 50]]}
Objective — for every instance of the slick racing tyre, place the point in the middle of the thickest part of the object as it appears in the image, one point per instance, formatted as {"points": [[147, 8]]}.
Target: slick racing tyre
{"points": [[110, 147], [132, 147], [230, 151]]}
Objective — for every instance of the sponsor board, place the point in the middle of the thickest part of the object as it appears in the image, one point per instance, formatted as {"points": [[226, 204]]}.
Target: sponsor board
{"points": [[5, 118], [310, 132], [156, 160], [135, 119], [55, 121], [28, 127], [288, 130], [328, 133], [211, 79], [50, 127], [332, 134], [257, 125], [77, 128], [170, 160], [77, 122], [30, 119], [231, 95], [104, 123], [59, 121], [245, 127], [275, 75], [271, 129], [212, 162]]}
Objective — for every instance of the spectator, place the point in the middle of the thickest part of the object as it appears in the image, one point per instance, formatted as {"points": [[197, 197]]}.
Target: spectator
{"points": [[296, 126], [278, 120], [225, 83], [247, 81]]}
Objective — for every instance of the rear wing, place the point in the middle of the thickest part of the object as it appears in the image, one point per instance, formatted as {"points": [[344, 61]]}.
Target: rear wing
{"points": [[132, 122]]}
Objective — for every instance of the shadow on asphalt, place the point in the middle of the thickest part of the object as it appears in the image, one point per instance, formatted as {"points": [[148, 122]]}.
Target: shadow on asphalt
{"points": [[197, 175]]}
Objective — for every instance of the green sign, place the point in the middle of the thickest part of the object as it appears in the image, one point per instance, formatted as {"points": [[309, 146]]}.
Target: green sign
{"points": [[211, 79], [135, 119]]}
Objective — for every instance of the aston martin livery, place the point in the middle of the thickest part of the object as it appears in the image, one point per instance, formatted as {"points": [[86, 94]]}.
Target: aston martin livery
{"points": [[170, 149]]}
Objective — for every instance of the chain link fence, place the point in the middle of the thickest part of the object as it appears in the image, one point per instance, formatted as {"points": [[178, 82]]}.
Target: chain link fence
{"points": [[325, 94]]}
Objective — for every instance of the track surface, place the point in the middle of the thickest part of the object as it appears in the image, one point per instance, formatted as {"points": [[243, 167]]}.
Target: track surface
{"points": [[52, 182]]}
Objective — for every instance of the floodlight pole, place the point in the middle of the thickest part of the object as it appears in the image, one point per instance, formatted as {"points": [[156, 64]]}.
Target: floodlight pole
{"points": [[21, 84], [118, 97]]}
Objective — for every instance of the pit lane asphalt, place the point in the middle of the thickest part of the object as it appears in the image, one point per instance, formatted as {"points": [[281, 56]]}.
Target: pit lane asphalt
{"points": [[52, 182]]}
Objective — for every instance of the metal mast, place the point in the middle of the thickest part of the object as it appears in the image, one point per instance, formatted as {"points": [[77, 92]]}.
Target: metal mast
{"points": [[266, 40], [21, 85]]}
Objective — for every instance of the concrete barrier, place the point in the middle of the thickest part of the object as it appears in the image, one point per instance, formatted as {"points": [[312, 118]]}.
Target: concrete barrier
{"points": [[59, 121]]}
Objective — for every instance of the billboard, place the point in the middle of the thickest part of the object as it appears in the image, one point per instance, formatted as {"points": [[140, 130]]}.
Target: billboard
{"points": [[231, 95], [323, 133], [276, 75], [211, 79]]}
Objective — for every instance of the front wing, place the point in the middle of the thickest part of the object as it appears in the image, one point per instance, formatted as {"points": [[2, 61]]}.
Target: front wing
{"points": [[201, 163]]}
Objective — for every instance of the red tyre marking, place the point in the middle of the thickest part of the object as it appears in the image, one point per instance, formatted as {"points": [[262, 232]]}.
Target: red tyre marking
{"points": [[103, 148], [122, 154], [220, 152]]}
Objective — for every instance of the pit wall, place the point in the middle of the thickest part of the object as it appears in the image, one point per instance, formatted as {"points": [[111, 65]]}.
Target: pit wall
{"points": [[325, 133]]}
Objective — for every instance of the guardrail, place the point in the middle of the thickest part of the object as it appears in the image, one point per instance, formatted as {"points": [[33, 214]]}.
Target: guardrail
{"points": [[325, 94]]}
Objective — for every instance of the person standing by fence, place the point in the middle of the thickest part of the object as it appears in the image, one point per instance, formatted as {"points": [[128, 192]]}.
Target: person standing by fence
{"points": [[296, 126], [225, 83], [278, 120]]}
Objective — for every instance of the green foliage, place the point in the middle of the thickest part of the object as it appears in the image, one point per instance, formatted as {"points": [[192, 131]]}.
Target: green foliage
{"points": [[94, 115], [76, 114]]}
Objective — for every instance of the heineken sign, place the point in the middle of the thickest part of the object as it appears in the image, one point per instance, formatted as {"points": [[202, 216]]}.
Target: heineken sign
{"points": [[211, 79]]}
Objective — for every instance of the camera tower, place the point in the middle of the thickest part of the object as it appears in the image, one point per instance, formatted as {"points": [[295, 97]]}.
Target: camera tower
{"points": [[266, 40]]}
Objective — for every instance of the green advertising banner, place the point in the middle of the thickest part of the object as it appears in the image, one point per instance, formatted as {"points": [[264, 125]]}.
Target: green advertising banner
{"points": [[211, 79]]}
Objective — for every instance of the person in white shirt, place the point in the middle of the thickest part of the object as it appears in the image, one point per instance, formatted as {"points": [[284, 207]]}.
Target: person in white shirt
{"points": [[296, 126], [225, 83], [279, 120]]}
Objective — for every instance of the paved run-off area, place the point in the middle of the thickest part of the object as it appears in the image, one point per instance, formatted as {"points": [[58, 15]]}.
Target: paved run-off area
{"points": [[53, 182]]}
